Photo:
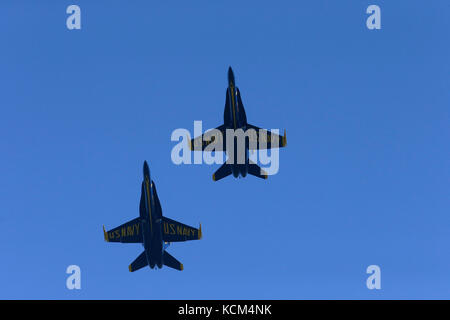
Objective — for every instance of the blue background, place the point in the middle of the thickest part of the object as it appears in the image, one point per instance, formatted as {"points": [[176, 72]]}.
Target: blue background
{"points": [[363, 180]]}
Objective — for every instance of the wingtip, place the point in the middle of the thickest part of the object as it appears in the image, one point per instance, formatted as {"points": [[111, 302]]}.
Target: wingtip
{"points": [[200, 234], [284, 138], [181, 267], [105, 234], [190, 143], [129, 268], [214, 177]]}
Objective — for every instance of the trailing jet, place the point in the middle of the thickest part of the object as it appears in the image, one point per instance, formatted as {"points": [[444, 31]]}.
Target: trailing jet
{"points": [[152, 230], [238, 162]]}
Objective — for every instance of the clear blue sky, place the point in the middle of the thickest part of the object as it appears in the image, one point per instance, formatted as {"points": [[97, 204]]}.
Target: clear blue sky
{"points": [[364, 178]]}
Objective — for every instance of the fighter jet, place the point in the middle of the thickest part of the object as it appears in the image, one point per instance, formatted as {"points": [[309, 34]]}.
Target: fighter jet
{"points": [[234, 119], [152, 230]]}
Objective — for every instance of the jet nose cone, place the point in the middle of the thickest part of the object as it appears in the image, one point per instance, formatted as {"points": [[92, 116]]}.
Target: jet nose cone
{"points": [[230, 75], [146, 169]]}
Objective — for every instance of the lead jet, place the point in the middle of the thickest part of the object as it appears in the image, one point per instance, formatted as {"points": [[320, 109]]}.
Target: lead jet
{"points": [[152, 230], [234, 118]]}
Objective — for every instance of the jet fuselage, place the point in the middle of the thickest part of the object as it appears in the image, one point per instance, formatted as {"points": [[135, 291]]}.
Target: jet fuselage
{"points": [[151, 223], [235, 118]]}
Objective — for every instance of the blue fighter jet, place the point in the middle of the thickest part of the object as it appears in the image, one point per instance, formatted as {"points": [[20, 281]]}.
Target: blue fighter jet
{"points": [[235, 119], [152, 230]]}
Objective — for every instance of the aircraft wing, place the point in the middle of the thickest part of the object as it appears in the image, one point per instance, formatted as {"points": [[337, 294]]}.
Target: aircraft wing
{"points": [[201, 142], [174, 231], [266, 139], [129, 232]]}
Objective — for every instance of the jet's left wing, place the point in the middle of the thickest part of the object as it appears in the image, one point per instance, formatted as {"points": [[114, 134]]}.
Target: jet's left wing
{"points": [[129, 232], [201, 142], [265, 139], [174, 231]]}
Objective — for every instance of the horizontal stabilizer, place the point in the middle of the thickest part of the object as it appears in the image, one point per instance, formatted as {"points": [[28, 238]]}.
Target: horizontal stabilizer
{"points": [[256, 170], [222, 172], [140, 262], [171, 262]]}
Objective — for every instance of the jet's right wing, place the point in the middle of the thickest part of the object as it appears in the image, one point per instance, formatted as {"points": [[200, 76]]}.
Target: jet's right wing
{"points": [[174, 231], [265, 139], [201, 142]]}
